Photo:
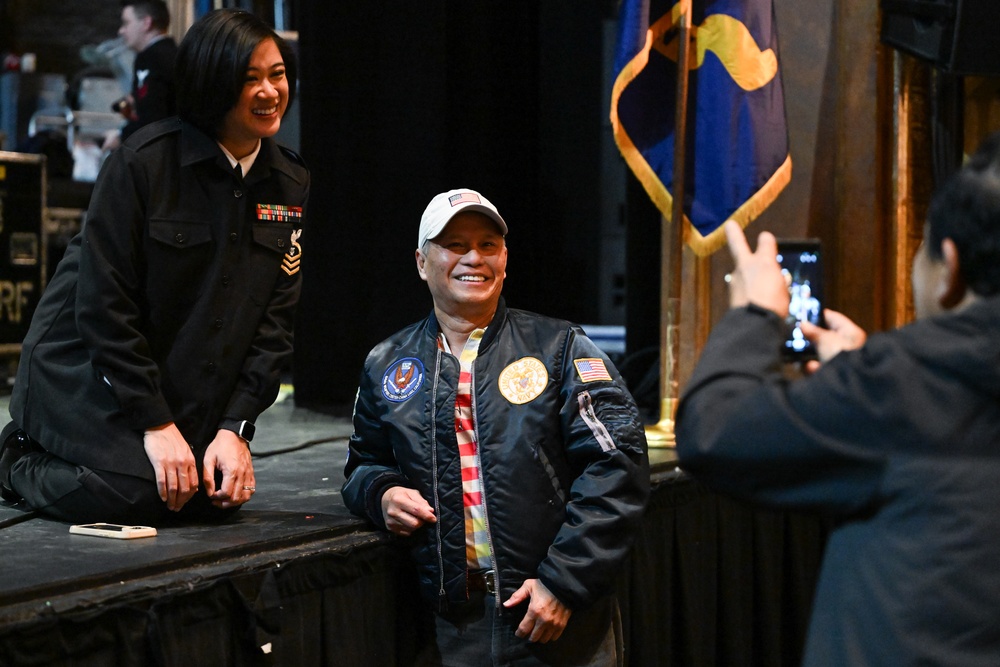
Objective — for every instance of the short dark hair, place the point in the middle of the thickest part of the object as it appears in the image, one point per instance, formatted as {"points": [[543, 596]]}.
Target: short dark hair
{"points": [[212, 62], [967, 211], [154, 9]]}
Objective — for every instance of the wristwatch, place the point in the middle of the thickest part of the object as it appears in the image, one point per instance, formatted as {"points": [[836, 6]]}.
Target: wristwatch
{"points": [[240, 427]]}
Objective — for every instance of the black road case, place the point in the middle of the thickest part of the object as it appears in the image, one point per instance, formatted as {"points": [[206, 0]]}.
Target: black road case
{"points": [[23, 251]]}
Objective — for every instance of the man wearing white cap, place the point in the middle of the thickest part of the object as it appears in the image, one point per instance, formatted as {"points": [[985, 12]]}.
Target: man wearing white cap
{"points": [[506, 446]]}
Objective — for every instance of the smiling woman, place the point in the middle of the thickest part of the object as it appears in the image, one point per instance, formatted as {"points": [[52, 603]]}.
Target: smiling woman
{"points": [[258, 111], [167, 325], [236, 65]]}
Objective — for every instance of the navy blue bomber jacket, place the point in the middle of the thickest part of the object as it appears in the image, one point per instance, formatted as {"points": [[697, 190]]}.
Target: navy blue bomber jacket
{"points": [[563, 461]]}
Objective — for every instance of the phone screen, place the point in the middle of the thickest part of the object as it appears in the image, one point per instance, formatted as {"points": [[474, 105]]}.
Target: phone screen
{"points": [[802, 267]]}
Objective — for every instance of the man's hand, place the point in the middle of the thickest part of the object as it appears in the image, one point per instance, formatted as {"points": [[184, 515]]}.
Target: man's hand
{"points": [[546, 617], [174, 465], [228, 453], [757, 278], [404, 510], [843, 334], [112, 140]]}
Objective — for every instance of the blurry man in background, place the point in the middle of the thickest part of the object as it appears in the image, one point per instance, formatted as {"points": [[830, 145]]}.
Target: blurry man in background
{"points": [[144, 27]]}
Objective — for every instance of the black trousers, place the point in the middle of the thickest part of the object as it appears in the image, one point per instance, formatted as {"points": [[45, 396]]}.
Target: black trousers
{"points": [[481, 633], [77, 494]]}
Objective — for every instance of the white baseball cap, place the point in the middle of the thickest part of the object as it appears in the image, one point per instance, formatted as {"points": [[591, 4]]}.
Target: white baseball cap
{"points": [[446, 205]]}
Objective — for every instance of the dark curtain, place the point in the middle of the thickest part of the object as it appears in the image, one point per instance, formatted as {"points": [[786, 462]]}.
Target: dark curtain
{"points": [[712, 581]]}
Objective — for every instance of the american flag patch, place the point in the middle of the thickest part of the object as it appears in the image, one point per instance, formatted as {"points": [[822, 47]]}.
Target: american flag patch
{"points": [[464, 198], [591, 369], [278, 213]]}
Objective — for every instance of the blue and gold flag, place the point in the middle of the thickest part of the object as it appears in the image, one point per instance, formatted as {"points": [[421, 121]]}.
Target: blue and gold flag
{"points": [[737, 144]]}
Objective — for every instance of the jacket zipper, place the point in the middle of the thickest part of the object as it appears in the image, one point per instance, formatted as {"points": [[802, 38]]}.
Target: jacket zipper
{"points": [[434, 478], [551, 473], [604, 438]]}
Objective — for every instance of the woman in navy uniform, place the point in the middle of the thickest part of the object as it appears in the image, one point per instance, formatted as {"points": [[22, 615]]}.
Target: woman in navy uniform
{"points": [[163, 334]]}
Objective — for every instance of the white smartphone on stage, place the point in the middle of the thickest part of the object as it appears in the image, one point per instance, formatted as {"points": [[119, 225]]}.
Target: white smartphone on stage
{"points": [[113, 530]]}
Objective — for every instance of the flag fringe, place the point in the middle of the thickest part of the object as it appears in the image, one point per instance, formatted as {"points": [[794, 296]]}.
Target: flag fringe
{"points": [[745, 214], [657, 190]]}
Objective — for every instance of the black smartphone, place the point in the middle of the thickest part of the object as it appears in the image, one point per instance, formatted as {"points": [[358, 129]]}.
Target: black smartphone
{"points": [[801, 264]]}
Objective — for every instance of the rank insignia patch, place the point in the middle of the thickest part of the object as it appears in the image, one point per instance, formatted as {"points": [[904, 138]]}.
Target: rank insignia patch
{"points": [[402, 379], [523, 380], [591, 369], [290, 263]]}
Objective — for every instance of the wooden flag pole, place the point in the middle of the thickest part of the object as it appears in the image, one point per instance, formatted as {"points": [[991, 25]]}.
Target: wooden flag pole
{"points": [[661, 434]]}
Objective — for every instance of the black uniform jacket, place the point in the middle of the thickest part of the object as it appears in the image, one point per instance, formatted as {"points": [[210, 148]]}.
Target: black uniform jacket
{"points": [[562, 460], [900, 441], [155, 95], [174, 303]]}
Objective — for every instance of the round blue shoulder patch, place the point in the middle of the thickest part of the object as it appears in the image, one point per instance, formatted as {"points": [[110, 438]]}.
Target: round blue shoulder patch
{"points": [[402, 379]]}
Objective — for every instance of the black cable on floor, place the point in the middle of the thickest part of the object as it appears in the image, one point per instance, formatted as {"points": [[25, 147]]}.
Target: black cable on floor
{"points": [[305, 445], [14, 520]]}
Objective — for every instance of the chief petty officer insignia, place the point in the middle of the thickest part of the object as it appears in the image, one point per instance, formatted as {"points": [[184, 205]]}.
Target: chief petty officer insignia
{"points": [[402, 379]]}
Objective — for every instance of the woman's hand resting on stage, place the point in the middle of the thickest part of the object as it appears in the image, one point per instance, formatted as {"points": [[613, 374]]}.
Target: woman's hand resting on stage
{"points": [[173, 463], [230, 455]]}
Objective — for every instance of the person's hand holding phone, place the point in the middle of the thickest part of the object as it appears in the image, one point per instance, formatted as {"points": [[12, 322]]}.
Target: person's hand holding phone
{"points": [[842, 334], [757, 277]]}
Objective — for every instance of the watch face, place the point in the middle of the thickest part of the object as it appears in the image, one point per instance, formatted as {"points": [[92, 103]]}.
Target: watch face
{"points": [[247, 430]]}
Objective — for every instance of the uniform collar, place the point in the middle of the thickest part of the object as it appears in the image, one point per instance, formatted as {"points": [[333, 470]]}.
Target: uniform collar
{"points": [[155, 40], [196, 146], [246, 163]]}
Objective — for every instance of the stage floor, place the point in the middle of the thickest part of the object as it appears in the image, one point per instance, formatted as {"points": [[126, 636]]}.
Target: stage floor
{"points": [[298, 460]]}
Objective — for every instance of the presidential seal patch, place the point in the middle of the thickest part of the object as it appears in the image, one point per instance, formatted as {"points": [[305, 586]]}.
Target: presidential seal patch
{"points": [[523, 380], [402, 379]]}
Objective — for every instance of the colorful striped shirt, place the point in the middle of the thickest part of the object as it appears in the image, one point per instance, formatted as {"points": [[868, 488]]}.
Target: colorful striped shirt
{"points": [[477, 546]]}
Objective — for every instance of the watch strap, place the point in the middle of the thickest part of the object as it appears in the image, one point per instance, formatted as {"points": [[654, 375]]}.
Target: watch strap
{"points": [[241, 427]]}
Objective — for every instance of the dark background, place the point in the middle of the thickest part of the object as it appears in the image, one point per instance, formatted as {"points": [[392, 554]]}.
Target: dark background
{"points": [[406, 100]]}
